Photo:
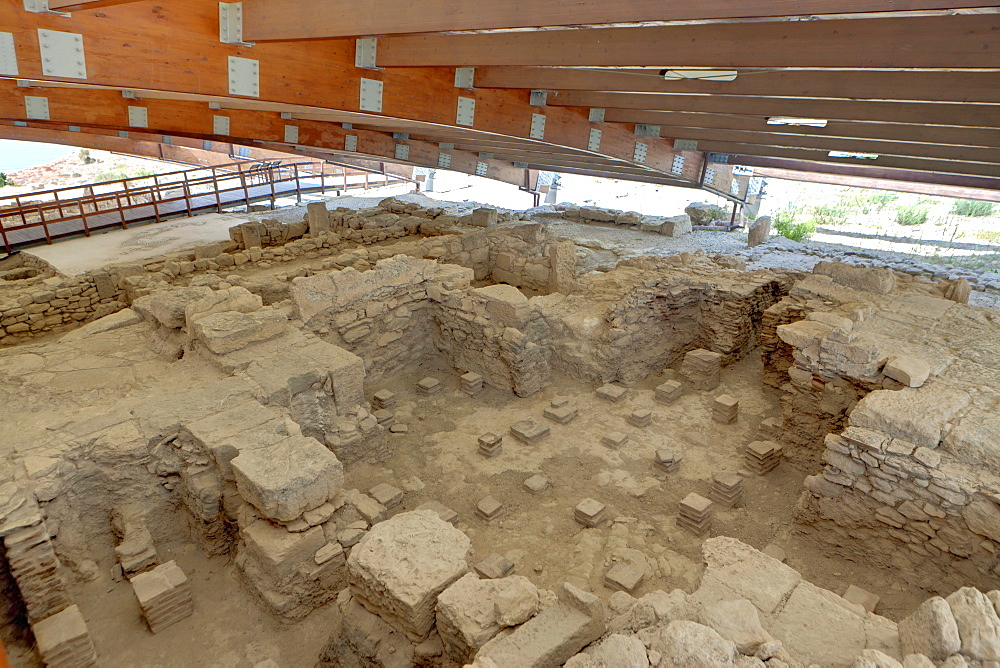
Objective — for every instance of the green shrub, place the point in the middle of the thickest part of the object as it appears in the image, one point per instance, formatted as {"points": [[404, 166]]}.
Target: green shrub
{"points": [[972, 208], [992, 236], [784, 223], [826, 214], [5, 180], [110, 176], [865, 203], [914, 214]]}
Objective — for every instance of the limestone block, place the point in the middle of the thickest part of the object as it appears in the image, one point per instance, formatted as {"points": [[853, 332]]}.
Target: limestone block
{"points": [[167, 307], [735, 570], [878, 280], [918, 415], [553, 636], [739, 622], [816, 626], [983, 518], [872, 658], [686, 643], [164, 596], [909, 371], [318, 218], [279, 550], [931, 630], [284, 480], [235, 298], [401, 566], [676, 226], [124, 318], [63, 640], [597, 214], [505, 303], [760, 231], [484, 217], [226, 332], [977, 622], [803, 333]]}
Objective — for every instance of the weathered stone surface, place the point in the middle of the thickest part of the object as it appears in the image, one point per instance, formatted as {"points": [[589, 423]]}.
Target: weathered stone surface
{"points": [[931, 630], [877, 280], [124, 318], [919, 415], [737, 571], [167, 307], [739, 622], [689, 644], [225, 332], [983, 518], [760, 231], [553, 636], [401, 566], [977, 622], [872, 658], [469, 611], [284, 480], [235, 298], [816, 627]]}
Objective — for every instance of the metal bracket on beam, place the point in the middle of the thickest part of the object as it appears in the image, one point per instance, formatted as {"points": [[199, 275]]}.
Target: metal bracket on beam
{"points": [[685, 145], [168, 140], [721, 158], [520, 165], [482, 168], [466, 114], [24, 83], [76, 128], [402, 152], [371, 95], [444, 160], [596, 116], [231, 23], [347, 126], [20, 124], [446, 146], [351, 143], [138, 117], [594, 144], [537, 126], [42, 7], [643, 130], [220, 125], [465, 77], [36, 108], [286, 115], [678, 165], [291, 134], [215, 105], [639, 155], [485, 156], [539, 98], [709, 177], [734, 188], [403, 136], [62, 54], [128, 94], [8, 57], [244, 76], [364, 52]]}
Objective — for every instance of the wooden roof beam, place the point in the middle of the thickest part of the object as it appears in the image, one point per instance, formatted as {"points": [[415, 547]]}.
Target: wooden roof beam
{"points": [[934, 189], [852, 84], [926, 113], [270, 20], [971, 41], [81, 5], [674, 123]]}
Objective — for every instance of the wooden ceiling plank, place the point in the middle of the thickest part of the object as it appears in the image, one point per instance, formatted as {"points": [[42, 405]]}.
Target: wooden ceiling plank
{"points": [[971, 41], [852, 84], [931, 113], [265, 20], [81, 5]]}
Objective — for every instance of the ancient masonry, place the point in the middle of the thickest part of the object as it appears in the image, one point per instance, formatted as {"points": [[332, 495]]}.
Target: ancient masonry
{"points": [[453, 447]]}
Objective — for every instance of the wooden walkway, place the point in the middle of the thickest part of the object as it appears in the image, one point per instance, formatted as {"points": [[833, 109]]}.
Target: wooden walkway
{"points": [[151, 199]]}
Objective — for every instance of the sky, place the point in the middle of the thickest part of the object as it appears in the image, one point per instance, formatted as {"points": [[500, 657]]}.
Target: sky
{"points": [[15, 155]]}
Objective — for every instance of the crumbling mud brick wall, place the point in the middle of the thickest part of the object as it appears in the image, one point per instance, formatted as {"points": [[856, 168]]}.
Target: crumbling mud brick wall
{"points": [[907, 383]]}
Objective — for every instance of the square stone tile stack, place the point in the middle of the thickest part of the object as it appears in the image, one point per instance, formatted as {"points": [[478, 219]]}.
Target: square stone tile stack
{"points": [[762, 457], [429, 386], [495, 566], [624, 577], [560, 411], [641, 418], [668, 460], [490, 445], [695, 514], [386, 494], [727, 489], [385, 400], [529, 432], [472, 384], [615, 439], [770, 429], [489, 508], [725, 409], [63, 639], [443, 511], [590, 512], [668, 392], [611, 392], [384, 417], [537, 483], [164, 595], [702, 368]]}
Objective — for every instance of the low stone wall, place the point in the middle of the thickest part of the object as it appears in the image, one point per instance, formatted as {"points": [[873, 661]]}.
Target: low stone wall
{"points": [[911, 477]]}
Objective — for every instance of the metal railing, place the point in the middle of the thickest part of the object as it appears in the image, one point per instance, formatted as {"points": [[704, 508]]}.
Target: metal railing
{"points": [[55, 214]]}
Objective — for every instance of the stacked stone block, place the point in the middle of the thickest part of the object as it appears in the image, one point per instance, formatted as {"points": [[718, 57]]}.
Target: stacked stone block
{"points": [[762, 457], [702, 369], [164, 596], [695, 514]]}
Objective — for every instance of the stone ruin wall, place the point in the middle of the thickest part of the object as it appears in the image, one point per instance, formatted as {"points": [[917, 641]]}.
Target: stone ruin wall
{"points": [[892, 389]]}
